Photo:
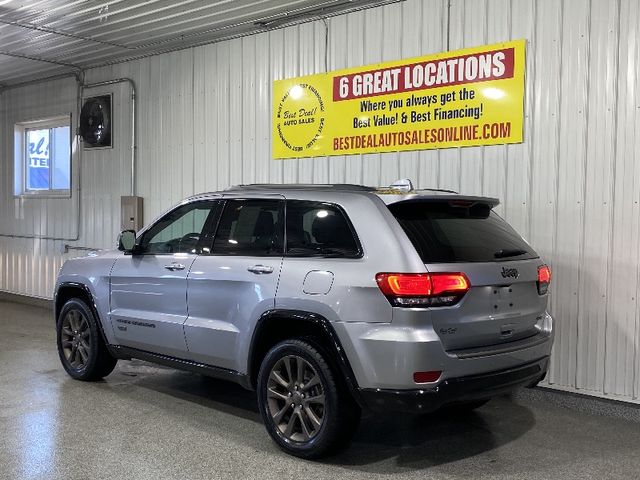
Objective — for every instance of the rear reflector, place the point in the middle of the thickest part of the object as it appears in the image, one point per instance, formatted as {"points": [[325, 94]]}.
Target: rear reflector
{"points": [[423, 289], [544, 279], [427, 377]]}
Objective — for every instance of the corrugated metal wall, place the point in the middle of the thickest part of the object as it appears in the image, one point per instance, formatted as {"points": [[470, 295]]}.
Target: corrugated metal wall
{"points": [[570, 188], [29, 262]]}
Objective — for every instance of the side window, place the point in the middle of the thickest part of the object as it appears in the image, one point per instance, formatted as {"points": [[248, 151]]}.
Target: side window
{"points": [[180, 231], [319, 229], [250, 227]]}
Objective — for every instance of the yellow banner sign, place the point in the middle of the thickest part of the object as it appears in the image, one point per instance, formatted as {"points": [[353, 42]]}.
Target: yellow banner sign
{"points": [[461, 98]]}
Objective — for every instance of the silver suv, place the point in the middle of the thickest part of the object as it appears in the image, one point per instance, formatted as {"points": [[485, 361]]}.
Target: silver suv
{"points": [[325, 299]]}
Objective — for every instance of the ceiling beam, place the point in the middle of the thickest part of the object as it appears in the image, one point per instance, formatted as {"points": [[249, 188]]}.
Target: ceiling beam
{"points": [[37, 59], [61, 33]]}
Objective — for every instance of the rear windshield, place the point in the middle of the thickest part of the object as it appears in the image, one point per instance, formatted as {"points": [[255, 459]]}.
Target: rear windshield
{"points": [[458, 231]]}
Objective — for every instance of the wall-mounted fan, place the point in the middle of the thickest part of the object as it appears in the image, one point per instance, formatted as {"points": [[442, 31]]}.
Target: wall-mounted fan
{"points": [[95, 122]]}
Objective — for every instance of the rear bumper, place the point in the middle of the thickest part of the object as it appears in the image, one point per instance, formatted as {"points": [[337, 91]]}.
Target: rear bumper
{"points": [[385, 356], [456, 390]]}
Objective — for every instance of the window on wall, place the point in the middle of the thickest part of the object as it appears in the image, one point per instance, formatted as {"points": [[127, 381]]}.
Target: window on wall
{"points": [[43, 157]]}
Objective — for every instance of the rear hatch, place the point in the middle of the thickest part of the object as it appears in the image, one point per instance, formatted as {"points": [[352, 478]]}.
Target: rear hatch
{"points": [[464, 234]]}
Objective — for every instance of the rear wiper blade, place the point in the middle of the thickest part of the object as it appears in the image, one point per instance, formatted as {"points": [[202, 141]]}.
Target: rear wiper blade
{"points": [[512, 252]]}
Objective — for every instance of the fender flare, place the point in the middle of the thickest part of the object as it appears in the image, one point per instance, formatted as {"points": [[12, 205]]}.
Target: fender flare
{"points": [[335, 346], [92, 305]]}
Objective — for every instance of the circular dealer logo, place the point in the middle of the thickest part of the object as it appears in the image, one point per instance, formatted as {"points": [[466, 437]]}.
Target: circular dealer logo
{"points": [[300, 117]]}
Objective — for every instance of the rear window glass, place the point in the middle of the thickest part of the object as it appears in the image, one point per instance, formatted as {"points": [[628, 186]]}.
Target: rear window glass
{"points": [[446, 232], [318, 229]]}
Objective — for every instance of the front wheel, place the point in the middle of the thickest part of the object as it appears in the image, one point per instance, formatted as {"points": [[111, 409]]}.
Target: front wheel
{"points": [[82, 351], [306, 408]]}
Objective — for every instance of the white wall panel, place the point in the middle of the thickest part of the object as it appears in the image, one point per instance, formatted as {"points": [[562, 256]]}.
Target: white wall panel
{"points": [[597, 227], [571, 188], [567, 225], [622, 352], [29, 262]]}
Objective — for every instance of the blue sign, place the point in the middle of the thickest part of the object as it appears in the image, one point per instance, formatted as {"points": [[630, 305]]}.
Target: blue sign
{"points": [[38, 160]]}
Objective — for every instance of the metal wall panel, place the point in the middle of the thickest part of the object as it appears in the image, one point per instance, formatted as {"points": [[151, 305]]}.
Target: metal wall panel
{"points": [[28, 264], [570, 188], [622, 328]]}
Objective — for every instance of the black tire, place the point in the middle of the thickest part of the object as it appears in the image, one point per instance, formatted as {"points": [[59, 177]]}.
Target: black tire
{"points": [[81, 347], [339, 413]]}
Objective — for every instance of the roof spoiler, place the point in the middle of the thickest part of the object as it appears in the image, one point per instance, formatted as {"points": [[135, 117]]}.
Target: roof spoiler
{"points": [[454, 199]]}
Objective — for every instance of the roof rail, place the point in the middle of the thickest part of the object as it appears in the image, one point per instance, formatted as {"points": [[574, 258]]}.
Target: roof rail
{"points": [[343, 187], [347, 187], [436, 190]]}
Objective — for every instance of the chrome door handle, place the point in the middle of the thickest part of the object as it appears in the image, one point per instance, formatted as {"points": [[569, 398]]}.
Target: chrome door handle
{"points": [[260, 269], [175, 266]]}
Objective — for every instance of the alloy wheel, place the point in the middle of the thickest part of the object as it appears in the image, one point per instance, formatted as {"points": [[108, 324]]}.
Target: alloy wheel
{"points": [[295, 398], [74, 339]]}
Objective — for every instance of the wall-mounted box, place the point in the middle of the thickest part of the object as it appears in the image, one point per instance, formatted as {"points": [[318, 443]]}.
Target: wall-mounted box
{"points": [[131, 213]]}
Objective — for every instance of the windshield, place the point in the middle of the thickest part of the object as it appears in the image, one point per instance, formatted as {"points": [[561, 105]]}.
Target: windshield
{"points": [[459, 231]]}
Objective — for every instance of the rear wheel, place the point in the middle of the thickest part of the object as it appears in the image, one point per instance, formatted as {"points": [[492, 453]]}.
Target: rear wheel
{"points": [[305, 407], [81, 348]]}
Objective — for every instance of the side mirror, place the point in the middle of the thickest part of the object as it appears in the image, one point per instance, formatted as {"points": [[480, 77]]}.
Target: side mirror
{"points": [[127, 241]]}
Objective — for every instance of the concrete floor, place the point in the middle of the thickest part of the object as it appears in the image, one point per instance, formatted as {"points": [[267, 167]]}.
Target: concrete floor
{"points": [[150, 422]]}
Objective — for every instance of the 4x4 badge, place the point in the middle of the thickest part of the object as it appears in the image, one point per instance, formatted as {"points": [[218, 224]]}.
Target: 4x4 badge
{"points": [[510, 272]]}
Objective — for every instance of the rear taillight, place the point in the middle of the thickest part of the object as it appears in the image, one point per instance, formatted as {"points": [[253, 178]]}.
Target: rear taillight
{"points": [[544, 279], [423, 289]]}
